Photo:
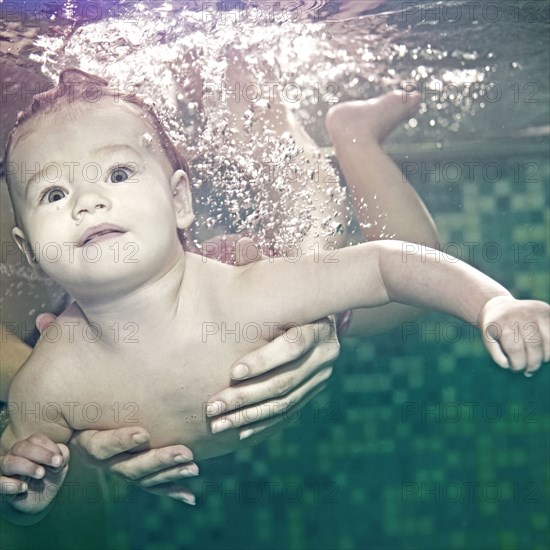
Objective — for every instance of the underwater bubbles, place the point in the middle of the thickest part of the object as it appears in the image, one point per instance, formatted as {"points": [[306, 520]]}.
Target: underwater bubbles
{"points": [[213, 84]]}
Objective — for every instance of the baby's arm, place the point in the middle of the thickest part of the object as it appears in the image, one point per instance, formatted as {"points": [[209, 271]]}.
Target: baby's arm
{"points": [[381, 272]]}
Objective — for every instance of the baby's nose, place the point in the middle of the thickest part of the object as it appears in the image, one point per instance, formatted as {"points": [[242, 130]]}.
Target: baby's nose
{"points": [[89, 202]]}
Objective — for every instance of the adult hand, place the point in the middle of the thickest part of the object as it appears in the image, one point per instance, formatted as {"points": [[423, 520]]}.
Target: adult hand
{"points": [[158, 471], [119, 451], [282, 375]]}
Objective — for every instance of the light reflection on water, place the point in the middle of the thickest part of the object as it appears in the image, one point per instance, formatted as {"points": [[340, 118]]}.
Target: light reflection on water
{"points": [[480, 60], [473, 79]]}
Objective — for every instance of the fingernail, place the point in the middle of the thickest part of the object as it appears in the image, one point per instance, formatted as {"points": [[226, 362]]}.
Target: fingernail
{"points": [[39, 472], [221, 425], [56, 460], [215, 408], [24, 487], [239, 371], [246, 433], [189, 500], [139, 439], [190, 471], [184, 457]]}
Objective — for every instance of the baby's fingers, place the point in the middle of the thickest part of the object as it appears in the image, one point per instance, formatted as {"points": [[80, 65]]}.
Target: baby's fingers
{"points": [[39, 449], [534, 354], [12, 486], [544, 328], [515, 349], [537, 346], [495, 351], [11, 465], [66, 455]]}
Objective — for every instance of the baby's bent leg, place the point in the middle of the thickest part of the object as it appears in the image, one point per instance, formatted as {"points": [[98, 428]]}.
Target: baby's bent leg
{"points": [[386, 205]]}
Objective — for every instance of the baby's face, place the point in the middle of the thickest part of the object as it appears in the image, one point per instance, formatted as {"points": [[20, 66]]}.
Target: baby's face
{"points": [[95, 198]]}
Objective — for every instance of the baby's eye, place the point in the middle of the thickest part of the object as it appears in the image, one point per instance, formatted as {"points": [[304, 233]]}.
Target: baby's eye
{"points": [[53, 195], [121, 174]]}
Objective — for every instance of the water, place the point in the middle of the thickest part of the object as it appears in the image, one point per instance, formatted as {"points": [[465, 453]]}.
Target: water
{"points": [[421, 442], [168, 53]]}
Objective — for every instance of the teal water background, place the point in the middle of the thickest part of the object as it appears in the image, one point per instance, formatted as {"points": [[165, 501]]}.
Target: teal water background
{"points": [[421, 441]]}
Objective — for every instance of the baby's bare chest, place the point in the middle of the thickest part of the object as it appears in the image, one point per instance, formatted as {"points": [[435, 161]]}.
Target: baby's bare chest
{"points": [[163, 387]]}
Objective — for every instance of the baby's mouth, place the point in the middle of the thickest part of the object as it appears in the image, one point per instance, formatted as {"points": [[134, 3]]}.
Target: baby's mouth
{"points": [[100, 232]]}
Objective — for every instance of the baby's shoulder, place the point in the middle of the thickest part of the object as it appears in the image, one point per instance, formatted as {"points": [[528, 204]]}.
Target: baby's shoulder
{"points": [[209, 284], [67, 330], [38, 380], [57, 348]]}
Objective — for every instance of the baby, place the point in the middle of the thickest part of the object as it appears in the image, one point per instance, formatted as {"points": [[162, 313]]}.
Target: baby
{"points": [[101, 199]]}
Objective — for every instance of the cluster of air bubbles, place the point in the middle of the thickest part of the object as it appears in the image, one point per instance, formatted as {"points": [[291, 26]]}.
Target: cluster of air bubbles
{"points": [[17, 271], [20, 281], [247, 176], [181, 63]]}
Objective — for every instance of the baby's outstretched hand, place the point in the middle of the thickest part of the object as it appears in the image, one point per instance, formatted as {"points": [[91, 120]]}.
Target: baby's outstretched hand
{"points": [[32, 472], [516, 332]]}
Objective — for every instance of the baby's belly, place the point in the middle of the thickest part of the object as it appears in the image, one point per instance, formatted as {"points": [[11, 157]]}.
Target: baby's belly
{"points": [[194, 431], [170, 402], [179, 417]]}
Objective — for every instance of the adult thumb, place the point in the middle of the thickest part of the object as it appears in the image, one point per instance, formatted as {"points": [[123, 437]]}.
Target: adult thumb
{"points": [[44, 320], [247, 251]]}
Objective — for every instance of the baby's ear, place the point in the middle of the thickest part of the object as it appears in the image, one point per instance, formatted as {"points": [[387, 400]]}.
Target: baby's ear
{"points": [[179, 183], [21, 240]]}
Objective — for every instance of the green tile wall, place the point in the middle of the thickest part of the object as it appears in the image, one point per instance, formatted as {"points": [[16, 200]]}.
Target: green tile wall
{"points": [[354, 473]]}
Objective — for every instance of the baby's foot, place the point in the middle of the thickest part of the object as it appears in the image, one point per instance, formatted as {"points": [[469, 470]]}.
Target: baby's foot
{"points": [[365, 122]]}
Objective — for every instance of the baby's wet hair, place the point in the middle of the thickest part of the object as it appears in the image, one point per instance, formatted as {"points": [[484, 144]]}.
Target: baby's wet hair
{"points": [[76, 89]]}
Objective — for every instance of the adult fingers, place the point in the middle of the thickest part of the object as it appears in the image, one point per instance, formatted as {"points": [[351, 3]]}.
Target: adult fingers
{"points": [[175, 491], [286, 348], [272, 408], [247, 251], [168, 475], [134, 467], [104, 444], [44, 320], [223, 248], [256, 428], [271, 385]]}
